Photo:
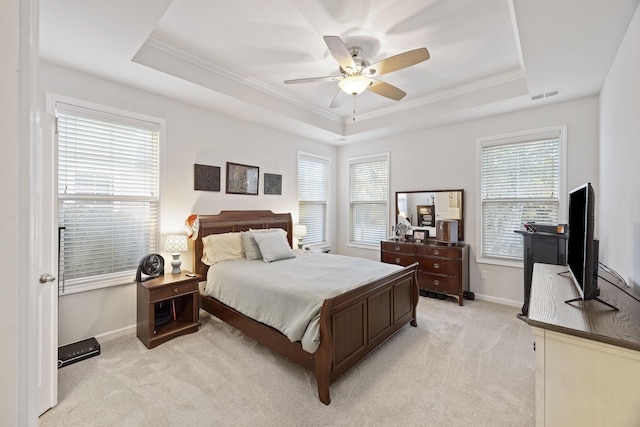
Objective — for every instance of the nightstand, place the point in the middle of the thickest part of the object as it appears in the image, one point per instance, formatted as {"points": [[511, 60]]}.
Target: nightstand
{"points": [[167, 306]]}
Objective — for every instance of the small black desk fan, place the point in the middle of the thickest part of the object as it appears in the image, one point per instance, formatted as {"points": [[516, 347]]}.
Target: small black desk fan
{"points": [[152, 266]]}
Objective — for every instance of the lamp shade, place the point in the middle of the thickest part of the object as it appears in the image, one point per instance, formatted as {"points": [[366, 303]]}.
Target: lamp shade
{"points": [[354, 85], [299, 231], [175, 243]]}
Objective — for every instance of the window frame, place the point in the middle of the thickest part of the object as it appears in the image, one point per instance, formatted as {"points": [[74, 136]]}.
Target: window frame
{"points": [[118, 278], [327, 203], [559, 131], [370, 158]]}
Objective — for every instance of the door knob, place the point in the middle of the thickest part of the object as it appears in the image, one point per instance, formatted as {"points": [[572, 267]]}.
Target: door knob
{"points": [[46, 277]]}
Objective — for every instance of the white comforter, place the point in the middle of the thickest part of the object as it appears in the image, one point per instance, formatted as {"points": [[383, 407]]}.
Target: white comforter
{"points": [[288, 294]]}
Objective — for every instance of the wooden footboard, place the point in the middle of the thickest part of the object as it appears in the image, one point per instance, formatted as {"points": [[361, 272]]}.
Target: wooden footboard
{"points": [[351, 325]]}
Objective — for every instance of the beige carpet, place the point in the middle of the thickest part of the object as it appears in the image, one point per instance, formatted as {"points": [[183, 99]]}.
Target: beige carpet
{"points": [[462, 366]]}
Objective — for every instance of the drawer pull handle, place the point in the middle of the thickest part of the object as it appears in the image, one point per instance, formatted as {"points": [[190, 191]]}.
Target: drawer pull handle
{"points": [[436, 252], [175, 290], [397, 248], [436, 282], [397, 260], [436, 265]]}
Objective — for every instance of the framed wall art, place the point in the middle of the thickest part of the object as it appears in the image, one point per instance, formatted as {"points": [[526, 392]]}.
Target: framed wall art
{"points": [[272, 184], [206, 178], [242, 179]]}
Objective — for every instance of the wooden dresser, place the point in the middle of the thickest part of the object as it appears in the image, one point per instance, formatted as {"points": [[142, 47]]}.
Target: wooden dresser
{"points": [[443, 268]]}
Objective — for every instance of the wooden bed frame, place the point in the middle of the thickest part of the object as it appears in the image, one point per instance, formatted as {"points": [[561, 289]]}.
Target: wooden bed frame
{"points": [[352, 324]]}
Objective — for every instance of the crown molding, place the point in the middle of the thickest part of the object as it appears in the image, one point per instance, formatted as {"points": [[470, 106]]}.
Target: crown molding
{"points": [[210, 64], [450, 93]]}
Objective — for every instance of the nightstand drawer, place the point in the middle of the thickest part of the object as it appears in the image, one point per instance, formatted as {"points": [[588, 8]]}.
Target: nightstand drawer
{"points": [[172, 290]]}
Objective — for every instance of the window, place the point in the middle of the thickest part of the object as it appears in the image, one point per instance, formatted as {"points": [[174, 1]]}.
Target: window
{"points": [[521, 180], [313, 184], [369, 200], [108, 184]]}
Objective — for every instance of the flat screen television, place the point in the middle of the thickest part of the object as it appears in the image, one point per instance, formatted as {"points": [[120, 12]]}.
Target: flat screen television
{"points": [[582, 247]]}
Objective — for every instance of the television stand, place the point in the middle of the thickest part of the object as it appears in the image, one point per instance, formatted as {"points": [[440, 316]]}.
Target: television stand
{"points": [[587, 360], [594, 299]]}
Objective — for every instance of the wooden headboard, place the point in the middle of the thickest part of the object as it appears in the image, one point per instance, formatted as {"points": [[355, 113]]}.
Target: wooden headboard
{"points": [[235, 221]]}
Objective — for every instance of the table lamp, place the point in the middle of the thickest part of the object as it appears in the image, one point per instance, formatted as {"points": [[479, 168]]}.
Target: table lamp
{"points": [[299, 232], [174, 244]]}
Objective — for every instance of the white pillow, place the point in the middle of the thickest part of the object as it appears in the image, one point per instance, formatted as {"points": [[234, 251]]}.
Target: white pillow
{"points": [[273, 246], [221, 247], [251, 248]]}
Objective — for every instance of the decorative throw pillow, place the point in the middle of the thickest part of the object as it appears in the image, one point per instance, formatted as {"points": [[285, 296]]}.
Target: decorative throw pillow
{"points": [[251, 248], [273, 246], [221, 247]]}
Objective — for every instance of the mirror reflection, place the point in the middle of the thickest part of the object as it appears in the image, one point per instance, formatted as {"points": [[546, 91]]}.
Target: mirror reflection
{"points": [[421, 209]]}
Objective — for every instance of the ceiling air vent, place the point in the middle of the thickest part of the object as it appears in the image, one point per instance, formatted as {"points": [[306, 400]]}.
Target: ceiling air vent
{"points": [[545, 95]]}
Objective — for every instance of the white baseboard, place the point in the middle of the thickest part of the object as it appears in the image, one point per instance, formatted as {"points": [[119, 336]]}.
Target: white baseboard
{"points": [[502, 301], [111, 335]]}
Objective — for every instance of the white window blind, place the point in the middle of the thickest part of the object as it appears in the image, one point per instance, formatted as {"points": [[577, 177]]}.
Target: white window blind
{"points": [[369, 204], [520, 182], [108, 184], [313, 182]]}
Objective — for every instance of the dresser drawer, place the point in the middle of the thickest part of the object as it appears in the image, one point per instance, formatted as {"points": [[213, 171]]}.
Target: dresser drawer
{"points": [[398, 258], [398, 247], [442, 284], [172, 290], [440, 251], [449, 267]]}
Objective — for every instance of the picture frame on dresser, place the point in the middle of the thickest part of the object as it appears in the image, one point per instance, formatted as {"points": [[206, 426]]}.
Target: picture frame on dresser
{"points": [[420, 235]]}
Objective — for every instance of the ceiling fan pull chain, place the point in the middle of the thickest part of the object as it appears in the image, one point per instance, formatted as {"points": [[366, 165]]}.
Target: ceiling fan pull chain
{"points": [[354, 107]]}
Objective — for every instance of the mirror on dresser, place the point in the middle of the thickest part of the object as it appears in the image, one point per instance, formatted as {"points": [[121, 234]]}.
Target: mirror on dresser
{"points": [[423, 208]]}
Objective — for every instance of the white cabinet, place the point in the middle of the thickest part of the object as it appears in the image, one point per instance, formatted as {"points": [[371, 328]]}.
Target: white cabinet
{"points": [[587, 355]]}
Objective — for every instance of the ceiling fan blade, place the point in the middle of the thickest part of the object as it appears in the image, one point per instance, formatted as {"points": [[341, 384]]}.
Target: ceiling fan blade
{"points": [[340, 52], [386, 90], [397, 62], [314, 79], [337, 100]]}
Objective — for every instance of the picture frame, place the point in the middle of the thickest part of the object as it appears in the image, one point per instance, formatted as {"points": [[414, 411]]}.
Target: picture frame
{"points": [[420, 235], [206, 178], [272, 184], [242, 179], [426, 216]]}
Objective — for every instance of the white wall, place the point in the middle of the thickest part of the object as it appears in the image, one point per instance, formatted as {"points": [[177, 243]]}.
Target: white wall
{"points": [[619, 195], [445, 158], [193, 135]]}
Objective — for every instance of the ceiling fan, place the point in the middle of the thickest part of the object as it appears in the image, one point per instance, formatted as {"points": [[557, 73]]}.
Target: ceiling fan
{"points": [[357, 75]]}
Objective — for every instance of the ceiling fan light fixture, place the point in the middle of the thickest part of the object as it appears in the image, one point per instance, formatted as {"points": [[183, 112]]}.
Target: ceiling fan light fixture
{"points": [[354, 85]]}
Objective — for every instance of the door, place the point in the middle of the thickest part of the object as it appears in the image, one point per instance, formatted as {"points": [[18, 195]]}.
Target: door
{"points": [[46, 264]]}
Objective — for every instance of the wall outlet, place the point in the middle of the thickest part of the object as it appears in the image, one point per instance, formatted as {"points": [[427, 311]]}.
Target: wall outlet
{"points": [[483, 274]]}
